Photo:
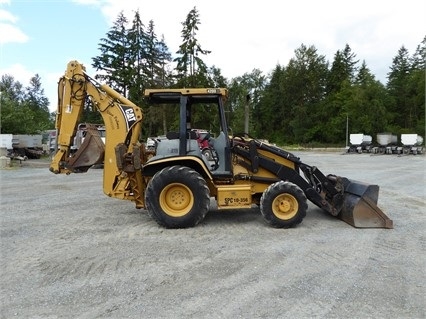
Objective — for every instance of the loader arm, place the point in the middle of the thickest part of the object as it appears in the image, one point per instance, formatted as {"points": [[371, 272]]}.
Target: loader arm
{"points": [[352, 201], [122, 118], [329, 198]]}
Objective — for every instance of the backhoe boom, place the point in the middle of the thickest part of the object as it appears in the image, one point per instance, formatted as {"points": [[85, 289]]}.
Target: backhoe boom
{"points": [[122, 120]]}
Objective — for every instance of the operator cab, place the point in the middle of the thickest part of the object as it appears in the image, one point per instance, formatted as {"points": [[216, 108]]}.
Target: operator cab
{"points": [[197, 108]]}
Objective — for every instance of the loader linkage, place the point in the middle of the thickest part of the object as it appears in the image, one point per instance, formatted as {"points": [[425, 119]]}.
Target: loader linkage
{"points": [[352, 201]]}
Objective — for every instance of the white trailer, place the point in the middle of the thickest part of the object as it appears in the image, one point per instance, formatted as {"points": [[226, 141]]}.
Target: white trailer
{"points": [[359, 143], [22, 145], [412, 143], [6, 141], [387, 144]]}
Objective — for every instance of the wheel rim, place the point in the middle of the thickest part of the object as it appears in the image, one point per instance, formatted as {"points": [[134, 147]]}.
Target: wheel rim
{"points": [[285, 206], [176, 200]]}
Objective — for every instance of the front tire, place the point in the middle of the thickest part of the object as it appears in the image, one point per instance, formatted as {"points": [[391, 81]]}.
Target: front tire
{"points": [[283, 205], [177, 197]]}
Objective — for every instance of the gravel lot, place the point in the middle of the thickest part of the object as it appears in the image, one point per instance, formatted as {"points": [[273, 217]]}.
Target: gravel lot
{"points": [[69, 251]]}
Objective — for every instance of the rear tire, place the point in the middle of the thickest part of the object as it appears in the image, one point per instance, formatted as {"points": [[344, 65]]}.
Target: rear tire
{"points": [[283, 205], [177, 197]]}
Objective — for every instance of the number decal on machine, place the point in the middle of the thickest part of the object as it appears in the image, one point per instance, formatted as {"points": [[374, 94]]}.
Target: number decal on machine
{"points": [[236, 200]]}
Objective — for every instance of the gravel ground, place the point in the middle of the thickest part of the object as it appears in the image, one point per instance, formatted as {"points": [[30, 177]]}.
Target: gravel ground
{"points": [[69, 251]]}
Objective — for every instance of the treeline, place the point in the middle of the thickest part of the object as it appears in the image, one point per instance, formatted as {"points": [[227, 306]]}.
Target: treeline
{"points": [[24, 110], [309, 100]]}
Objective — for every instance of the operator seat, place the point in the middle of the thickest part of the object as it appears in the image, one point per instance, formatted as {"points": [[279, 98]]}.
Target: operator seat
{"points": [[220, 146], [170, 147]]}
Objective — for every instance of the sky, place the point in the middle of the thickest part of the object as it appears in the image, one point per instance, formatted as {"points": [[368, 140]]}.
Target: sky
{"points": [[42, 36]]}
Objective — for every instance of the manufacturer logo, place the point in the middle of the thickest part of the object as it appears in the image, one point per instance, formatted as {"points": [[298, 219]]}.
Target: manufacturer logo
{"points": [[130, 115]]}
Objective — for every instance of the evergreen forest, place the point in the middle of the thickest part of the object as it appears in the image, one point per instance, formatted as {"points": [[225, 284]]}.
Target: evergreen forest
{"points": [[309, 101]]}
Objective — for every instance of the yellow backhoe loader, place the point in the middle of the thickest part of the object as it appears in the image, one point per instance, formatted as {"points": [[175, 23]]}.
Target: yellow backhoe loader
{"points": [[175, 183]]}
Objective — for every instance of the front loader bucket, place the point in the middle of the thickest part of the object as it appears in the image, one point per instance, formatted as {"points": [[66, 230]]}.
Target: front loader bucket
{"points": [[360, 206]]}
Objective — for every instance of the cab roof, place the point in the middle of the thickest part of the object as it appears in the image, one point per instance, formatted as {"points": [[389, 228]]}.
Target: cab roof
{"points": [[201, 95]]}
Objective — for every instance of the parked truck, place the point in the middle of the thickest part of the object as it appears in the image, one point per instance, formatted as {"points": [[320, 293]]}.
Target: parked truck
{"points": [[22, 146]]}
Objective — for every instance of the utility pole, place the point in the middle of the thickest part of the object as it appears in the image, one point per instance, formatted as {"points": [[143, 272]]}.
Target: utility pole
{"points": [[347, 129], [246, 115]]}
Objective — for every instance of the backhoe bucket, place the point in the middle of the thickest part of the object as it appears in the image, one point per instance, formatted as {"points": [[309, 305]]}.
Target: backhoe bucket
{"points": [[91, 152], [360, 206]]}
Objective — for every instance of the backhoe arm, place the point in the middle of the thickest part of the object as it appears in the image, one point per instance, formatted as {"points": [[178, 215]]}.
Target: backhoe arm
{"points": [[122, 119]]}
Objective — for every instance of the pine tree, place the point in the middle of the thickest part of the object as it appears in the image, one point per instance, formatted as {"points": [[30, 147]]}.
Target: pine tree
{"points": [[350, 62], [418, 60], [113, 63], [38, 104], [272, 115], [164, 77], [154, 73], [332, 113], [342, 69], [159, 76], [416, 87], [137, 59], [369, 114], [398, 88], [305, 81], [191, 69]]}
